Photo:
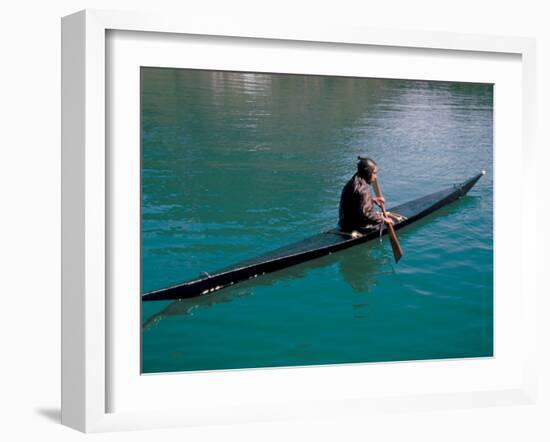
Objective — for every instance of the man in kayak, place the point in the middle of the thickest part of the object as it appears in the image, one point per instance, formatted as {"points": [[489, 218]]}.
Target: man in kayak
{"points": [[356, 203]]}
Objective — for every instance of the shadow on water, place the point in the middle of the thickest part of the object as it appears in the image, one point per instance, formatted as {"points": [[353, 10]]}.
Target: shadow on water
{"points": [[358, 266]]}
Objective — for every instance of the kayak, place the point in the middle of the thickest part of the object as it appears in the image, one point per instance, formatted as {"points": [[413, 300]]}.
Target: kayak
{"points": [[308, 249]]}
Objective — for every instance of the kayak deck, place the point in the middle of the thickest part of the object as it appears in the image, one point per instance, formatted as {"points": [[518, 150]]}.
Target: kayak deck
{"points": [[310, 248]]}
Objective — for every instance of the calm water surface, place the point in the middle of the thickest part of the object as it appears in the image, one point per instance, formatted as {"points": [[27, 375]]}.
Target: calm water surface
{"points": [[235, 164]]}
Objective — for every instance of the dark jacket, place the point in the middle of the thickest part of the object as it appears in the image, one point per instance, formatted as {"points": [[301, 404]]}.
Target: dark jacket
{"points": [[356, 206]]}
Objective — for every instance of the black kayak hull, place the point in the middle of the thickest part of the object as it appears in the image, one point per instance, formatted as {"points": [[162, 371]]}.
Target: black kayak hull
{"points": [[311, 248]]}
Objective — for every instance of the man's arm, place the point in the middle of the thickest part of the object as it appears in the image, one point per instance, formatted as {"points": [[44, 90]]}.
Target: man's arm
{"points": [[368, 214]]}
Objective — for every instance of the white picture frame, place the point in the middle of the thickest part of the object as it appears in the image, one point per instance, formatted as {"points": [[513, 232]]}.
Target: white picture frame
{"points": [[86, 206]]}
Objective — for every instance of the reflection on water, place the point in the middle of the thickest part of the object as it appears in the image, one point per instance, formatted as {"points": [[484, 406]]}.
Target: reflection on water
{"points": [[358, 266]]}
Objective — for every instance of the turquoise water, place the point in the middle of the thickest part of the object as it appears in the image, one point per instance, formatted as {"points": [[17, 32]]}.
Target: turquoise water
{"points": [[234, 165]]}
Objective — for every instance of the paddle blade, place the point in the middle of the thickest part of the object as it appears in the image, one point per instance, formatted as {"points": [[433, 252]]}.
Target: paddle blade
{"points": [[396, 247]]}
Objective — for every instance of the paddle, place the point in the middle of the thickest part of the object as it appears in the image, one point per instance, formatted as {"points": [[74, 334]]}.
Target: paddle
{"points": [[396, 247]]}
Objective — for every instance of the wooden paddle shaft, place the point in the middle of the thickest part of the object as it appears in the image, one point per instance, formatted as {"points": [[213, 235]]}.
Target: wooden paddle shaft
{"points": [[396, 247], [378, 192]]}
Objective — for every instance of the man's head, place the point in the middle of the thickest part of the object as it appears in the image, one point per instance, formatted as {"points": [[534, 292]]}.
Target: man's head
{"points": [[366, 169]]}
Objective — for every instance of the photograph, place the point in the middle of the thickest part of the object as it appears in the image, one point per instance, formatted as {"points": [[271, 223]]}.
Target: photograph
{"points": [[294, 220]]}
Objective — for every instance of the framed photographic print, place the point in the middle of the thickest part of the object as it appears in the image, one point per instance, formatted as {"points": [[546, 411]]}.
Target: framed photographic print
{"points": [[233, 163], [262, 222]]}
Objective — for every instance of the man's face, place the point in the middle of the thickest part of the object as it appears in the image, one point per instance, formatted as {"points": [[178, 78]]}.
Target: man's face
{"points": [[374, 172]]}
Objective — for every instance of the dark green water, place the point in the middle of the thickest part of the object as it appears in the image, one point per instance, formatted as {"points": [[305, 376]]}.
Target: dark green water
{"points": [[234, 165]]}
